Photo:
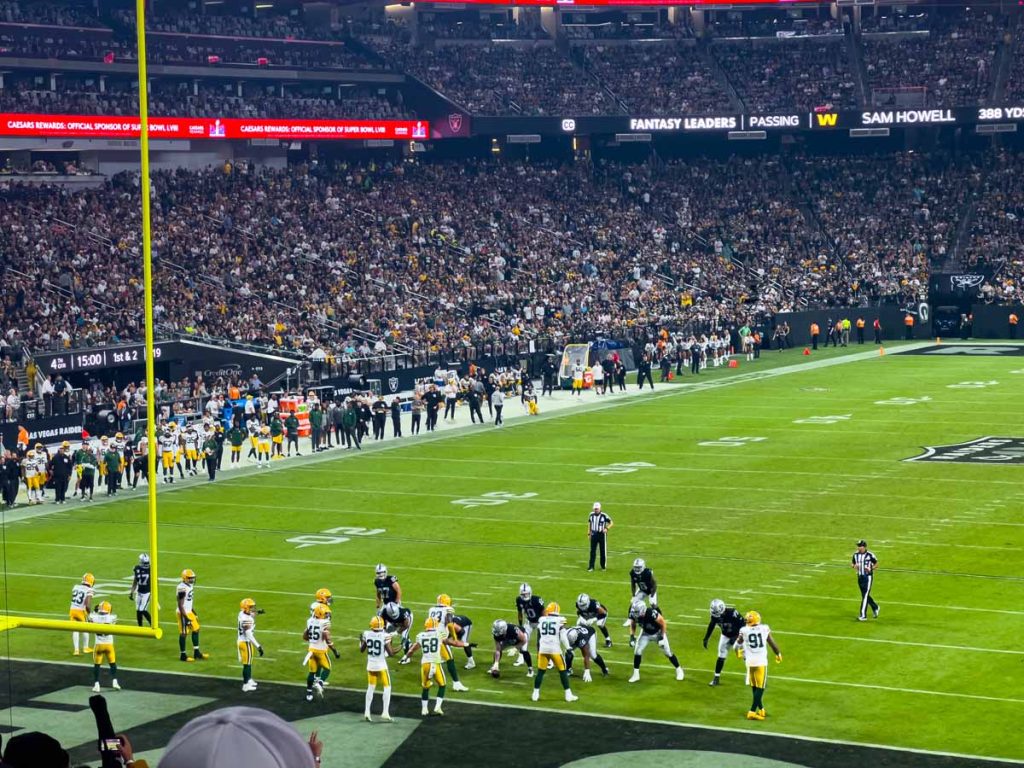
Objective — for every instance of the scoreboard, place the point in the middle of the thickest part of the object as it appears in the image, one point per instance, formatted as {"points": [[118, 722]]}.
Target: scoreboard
{"points": [[95, 359]]}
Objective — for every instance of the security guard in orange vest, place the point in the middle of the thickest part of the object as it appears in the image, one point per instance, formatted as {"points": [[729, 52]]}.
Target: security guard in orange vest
{"points": [[860, 330], [1013, 325], [815, 331], [908, 323]]}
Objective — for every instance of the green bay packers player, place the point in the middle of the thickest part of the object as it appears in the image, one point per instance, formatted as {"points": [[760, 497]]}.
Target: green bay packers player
{"points": [[429, 641], [263, 447], [167, 444], [247, 644], [188, 619], [104, 650], [376, 644], [323, 597], [81, 604], [318, 663], [553, 640], [443, 614], [752, 644], [192, 444]]}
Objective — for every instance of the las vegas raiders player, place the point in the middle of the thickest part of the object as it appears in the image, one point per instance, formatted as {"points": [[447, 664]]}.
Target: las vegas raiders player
{"points": [[652, 629], [729, 620], [513, 637], [531, 608], [593, 614], [642, 586], [387, 587], [584, 638], [398, 620], [141, 590]]}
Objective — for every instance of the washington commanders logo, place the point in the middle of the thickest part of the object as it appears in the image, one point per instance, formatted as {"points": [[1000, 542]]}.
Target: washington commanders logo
{"points": [[984, 450], [455, 121]]}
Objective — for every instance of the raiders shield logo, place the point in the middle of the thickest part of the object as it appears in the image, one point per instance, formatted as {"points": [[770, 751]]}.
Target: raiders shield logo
{"points": [[984, 450], [455, 121], [393, 384]]}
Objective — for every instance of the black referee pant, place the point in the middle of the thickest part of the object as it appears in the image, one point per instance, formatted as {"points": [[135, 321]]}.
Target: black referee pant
{"points": [[865, 583], [598, 541]]}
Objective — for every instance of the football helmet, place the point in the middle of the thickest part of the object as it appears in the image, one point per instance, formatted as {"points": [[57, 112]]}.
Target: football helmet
{"points": [[639, 565], [392, 611], [119, 436], [247, 605], [188, 576], [552, 609], [444, 600], [143, 559], [753, 618], [525, 591], [717, 607], [65, 444], [321, 612], [583, 600], [430, 623], [572, 636], [103, 608], [382, 570], [323, 595], [39, 446], [499, 627], [638, 610], [377, 623], [89, 579]]}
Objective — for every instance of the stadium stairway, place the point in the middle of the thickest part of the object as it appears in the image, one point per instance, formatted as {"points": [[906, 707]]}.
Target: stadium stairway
{"points": [[855, 55], [1005, 55], [704, 51]]}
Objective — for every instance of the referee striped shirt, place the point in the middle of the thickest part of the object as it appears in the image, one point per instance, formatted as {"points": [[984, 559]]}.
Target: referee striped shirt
{"points": [[599, 522], [864, 562]]}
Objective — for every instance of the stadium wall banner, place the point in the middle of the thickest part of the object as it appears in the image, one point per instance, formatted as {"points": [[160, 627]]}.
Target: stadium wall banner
{"points": [[992, 321], [50, 430], [891, 317], [93, 126]]}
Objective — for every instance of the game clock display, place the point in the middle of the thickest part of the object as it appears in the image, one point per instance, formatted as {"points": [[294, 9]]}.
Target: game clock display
{"points": [[94, 359]]}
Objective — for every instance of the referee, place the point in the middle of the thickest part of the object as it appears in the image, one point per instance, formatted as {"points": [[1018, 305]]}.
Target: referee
{"points": [[865, 563], [597, 529]]}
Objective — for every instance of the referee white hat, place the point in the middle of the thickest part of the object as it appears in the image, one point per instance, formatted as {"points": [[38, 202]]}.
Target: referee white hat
{"points": [[597, 506]]}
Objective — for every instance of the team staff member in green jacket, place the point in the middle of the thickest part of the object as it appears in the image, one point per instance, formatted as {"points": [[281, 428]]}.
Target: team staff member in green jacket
{"points": [[291, 428], [236, 437], [112, 462], [276, 437], [316, 425], [210, 450]]}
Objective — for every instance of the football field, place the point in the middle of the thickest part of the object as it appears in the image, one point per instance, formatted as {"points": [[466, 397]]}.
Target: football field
{"points": [[752, 486]]}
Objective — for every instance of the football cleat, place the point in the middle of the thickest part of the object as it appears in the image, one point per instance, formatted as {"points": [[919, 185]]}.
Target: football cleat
{"points": [[877, 609], [717, 607], [115, 685], [714, 682], [680, 674], [87, 649], [96, 688], [635, 677], [458, 686], [762, 713], [529, 671], [386, 717], [471, 664], [309, 697], [519, 661], [607, 642], [76, 652], [755, 716], [639, 565], [535, 696], [367, 718]]}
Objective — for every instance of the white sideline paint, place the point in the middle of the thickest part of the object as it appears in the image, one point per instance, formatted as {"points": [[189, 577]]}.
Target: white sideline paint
{"points": [[581, 713]]}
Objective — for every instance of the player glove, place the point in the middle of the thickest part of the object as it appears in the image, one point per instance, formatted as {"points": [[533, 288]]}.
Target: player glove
{"points": [[471, 645], [335, 652], [259, 650], [260, 611], [778, 658], [586, 676]]}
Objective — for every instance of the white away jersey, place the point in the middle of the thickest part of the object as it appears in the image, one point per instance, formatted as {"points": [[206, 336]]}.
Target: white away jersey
{"points": [[246, 625], [551, 629], [430, 644], [317, 629], [188, 590], [376, 656], [80, 594], [104, 618], [755, 645]]}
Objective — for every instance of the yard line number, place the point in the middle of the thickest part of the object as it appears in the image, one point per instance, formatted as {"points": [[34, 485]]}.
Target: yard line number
{"points": [[492, 499], [338, 535], [732, 441]]}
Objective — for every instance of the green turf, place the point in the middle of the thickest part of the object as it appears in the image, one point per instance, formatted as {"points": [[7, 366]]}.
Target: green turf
{"points": [[769, 525]]}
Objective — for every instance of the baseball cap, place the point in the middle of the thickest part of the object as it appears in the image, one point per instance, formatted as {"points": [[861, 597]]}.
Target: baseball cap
{"points": [[35, 750], [245, 736], [862, 543]]}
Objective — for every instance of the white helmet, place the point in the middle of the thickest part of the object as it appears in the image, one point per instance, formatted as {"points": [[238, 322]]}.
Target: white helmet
{"points": [[382, 570], [583, 600], [525, 591], [717, 607], [143, 559], [392, 611], [639, 565], [499, 627], [571, 636], [597, 506], [638, 609]]}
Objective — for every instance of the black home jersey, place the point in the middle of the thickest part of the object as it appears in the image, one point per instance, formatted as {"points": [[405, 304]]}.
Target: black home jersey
{"points": [[648, 623], [404, 617], [643, 581], [591, 611], [510, 636], [140, 575], [730, 621], [461, 624], [532, 609], [386, 589], [583, 635]]}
